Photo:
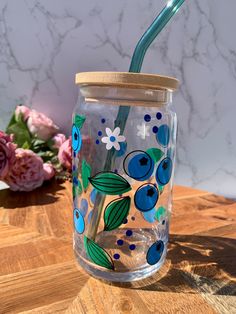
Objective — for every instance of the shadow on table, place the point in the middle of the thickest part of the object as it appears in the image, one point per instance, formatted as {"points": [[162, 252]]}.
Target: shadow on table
{"points": [[46, 194], [195, 264]]}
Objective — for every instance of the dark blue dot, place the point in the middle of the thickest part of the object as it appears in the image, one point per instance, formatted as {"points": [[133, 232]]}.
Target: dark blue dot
{"points": [[75, 181], [147, 118], [163, 222], [99, 133], [132, 247], [103, 120], [116, 171], [74, 154], [129, 233], [159, 116], [120, 242], [132, 218], [116, 256], [155, 129], [125, 221], [73, 168], [97, 142]]}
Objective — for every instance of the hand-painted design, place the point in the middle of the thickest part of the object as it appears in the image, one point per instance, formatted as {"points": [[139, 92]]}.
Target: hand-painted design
{"points": [[147, 118], [76, 139], [163, 135], [125, 221], [138, 165], [146, 197], [86, 172], [155, 129], [149, 216], [93, 196], [164, 171], [78, 221], [129, 233], [160, 213], [154, 253], [158, 115], [103, 120], [99, 133], [110, 183], [77, 187], [143, 130], [115, 213], [83, 207], [113, 138], [97, 254], [155, 153], [122, 150], [79, 121], [116, 256], [97, 142], [120, 242], [132, 247]]}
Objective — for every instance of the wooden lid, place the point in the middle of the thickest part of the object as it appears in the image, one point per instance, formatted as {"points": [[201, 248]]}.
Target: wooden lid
{"points": [[127, 79]]}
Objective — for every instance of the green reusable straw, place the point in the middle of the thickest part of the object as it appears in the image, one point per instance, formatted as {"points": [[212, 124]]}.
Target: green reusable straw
{"points": [[151, 33]]}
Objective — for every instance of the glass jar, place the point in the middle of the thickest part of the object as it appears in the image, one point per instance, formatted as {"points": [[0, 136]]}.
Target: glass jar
{"points": [[123, 142]]}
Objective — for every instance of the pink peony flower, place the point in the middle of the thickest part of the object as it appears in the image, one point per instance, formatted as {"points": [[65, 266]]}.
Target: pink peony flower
{"points": [[58, 140], [25, 111], [7, 153], [27, 173], [41, 126], [64, 154], [49, 171]]}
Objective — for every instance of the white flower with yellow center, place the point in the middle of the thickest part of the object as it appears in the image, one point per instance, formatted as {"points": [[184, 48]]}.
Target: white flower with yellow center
{"points": [[113, 138]]}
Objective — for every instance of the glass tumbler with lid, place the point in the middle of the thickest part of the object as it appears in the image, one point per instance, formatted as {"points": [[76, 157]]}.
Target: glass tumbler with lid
{"points": [[123, 147]]}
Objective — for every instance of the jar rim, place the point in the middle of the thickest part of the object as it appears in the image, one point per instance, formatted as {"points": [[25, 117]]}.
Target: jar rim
{"points": [[127, 79]]}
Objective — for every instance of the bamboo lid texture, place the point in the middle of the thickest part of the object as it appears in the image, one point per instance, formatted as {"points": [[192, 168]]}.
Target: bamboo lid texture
{"points": [[127, 79]]}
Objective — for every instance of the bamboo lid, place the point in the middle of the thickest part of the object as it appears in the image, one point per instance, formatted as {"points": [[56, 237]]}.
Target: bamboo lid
{"points": [[127, 79]]}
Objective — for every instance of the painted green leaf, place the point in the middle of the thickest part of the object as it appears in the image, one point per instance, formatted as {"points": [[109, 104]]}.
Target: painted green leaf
{"points": [[110, 183], [116, 212], [155, 154], [79, 120], [97, 254], [86, 172]]}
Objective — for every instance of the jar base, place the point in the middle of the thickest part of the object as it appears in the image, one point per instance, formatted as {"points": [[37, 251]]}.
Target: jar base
{"points": [[131, 264]]}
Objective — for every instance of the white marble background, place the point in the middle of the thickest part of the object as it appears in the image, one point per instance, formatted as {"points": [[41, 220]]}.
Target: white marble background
{"points": [[44, 43]]}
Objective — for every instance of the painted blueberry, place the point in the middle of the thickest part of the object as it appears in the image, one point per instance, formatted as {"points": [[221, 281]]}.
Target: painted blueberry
{"points": [[83, 207], [146, 197], [154, 253], [78, 221], [164, 171], [120, 242], [76, 139], [150, 215], [163, 135], [138, 165], [132, 247]]}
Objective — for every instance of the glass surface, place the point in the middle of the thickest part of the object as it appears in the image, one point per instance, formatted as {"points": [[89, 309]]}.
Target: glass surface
{"points": [[122, 183]]}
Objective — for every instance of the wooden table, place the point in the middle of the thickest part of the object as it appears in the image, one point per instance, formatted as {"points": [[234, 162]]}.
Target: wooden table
{"points": [[38, 273]]}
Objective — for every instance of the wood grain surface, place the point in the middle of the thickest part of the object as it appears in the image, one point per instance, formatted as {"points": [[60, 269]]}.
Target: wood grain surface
{"points": [[38, 273]]}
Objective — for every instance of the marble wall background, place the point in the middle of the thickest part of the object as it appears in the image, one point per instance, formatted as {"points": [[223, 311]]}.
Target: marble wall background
{"points": [[44, 43]]}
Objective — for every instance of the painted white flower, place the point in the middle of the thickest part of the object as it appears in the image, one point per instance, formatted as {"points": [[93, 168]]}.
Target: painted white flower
{"points": [[113, 139], [143, 130]]}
